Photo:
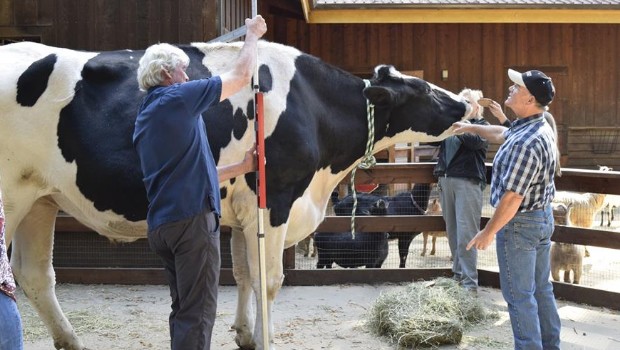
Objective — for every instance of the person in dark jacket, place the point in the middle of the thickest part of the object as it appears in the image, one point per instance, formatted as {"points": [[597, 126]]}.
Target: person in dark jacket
{"points": [[461, 174]]}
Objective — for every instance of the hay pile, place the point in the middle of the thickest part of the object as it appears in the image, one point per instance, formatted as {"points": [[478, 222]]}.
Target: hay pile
{"points": [[426, 314]]}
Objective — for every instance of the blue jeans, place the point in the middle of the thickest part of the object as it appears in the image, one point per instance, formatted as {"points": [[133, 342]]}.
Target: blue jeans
{"points": [[10, 324], [523, 247]]}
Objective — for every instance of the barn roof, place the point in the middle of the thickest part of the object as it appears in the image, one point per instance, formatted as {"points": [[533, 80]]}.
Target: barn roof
{"points": [[461, 11]]}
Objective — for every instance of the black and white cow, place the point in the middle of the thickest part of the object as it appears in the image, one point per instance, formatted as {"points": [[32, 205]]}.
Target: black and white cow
{"points": [[67, 119]]}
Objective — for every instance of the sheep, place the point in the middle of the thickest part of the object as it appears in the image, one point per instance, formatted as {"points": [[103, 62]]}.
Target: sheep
{"points": [[565, 257], [584, 208], [414, 202], [434, 208], [368, 249]]}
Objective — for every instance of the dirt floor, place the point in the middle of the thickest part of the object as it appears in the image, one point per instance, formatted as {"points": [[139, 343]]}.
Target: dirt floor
{"points": [[109, 317]]}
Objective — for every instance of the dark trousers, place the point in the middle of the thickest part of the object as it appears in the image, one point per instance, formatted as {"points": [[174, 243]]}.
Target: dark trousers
{"points": [[190, 252]]}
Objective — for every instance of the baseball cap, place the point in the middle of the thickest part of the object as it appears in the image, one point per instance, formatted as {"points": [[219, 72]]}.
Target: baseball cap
{"points": [[536, 82]]}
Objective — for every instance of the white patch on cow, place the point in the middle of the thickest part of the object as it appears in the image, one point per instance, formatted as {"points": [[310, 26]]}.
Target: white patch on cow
{"points": [[280, 59], [308, 211]]}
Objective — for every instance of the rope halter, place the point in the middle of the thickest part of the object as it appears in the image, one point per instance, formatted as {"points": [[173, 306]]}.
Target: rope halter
{"points": [[368, 161]]}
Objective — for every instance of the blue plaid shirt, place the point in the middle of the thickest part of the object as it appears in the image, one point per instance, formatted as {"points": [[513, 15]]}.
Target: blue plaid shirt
{"points": [[525, 164]]}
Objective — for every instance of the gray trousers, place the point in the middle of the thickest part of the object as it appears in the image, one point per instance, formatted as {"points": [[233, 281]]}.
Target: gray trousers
{"points": [[190, 252], [461, 203]]}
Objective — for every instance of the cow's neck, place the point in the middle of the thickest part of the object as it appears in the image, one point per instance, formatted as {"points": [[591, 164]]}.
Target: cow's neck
{"points": [[351, 141]]}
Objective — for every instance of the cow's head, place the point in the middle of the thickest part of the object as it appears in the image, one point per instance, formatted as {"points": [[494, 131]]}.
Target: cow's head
{"points": [[409, 103]]}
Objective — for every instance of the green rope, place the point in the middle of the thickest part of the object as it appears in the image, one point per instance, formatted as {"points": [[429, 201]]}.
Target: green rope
{"points": [[368, 161]]}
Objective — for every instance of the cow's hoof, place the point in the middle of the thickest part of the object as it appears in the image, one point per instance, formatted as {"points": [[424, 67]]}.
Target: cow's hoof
{"points": [[73, 344], [241, 346], [244, 340]]}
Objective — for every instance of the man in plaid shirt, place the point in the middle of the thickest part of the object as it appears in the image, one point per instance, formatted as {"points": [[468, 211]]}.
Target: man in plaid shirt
{"points": [[522, 188]]}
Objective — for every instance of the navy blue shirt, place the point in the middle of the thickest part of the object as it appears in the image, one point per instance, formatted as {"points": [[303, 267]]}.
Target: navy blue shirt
{"points": [[170, 137]]}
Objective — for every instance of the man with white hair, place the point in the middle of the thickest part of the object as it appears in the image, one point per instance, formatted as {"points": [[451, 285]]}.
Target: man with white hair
{"points": [[522, 187], [182, 181]]}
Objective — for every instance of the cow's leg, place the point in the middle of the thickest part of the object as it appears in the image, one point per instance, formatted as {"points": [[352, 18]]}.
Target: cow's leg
{"points": [[274, 247], [32, 264], [244, 319]]}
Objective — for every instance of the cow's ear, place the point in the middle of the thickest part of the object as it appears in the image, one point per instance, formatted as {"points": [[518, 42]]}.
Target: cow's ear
{"points": [[379, 95]]}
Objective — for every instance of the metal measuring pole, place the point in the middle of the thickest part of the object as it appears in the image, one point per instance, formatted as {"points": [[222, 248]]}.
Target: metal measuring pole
{"points": [[261, 186]]}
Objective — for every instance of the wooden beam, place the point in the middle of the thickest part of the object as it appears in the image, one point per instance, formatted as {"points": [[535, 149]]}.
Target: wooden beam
{"points": [[325, 277], [400, 223], [382, 14], [129, 275]]}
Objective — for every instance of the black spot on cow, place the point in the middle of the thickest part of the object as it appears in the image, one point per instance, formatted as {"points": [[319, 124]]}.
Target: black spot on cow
{"points": [[250, 179], [219, 126], [240, 122], [95, 131], [196, 69], [265, 78], [33, 82], [250, 110], [223, 192]]}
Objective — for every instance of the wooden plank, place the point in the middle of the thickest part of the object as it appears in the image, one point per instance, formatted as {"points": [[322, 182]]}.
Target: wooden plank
{"points": [[210, 15], [124, 276], [570, 292], [591, 237], [7, 17], [360, 276], [140, 24], [392, 223], [106, 28], [586, 295], [469, 62], [26, 12], [154, 16], [169, 23]]}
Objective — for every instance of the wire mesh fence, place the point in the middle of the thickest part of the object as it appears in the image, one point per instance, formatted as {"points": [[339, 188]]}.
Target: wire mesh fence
{"points": [[600, 266]]}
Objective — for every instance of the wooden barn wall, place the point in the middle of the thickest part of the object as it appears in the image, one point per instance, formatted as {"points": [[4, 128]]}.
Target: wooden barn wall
{"points": [[582, 59], [109, 24]]}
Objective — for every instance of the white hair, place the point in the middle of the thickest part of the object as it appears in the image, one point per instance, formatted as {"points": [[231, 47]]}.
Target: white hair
{"points": [[156, 58], [473, 96]]}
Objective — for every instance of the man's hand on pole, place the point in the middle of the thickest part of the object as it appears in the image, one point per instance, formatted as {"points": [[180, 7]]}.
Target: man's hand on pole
{"points": [[256, 26]]}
